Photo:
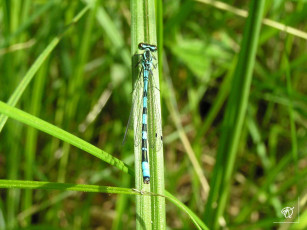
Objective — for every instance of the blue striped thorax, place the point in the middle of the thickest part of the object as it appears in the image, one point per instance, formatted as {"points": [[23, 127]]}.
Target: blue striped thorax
{"points": [[147, 56]]}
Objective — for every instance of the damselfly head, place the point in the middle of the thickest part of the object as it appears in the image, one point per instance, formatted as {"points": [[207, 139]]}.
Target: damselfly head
{"points": [[144, 46]]}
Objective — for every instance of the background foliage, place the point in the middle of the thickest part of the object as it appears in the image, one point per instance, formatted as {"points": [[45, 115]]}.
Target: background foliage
{"points": [[91, 67]]}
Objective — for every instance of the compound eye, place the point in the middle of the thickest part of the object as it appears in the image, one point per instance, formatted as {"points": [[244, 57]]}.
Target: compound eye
{"points": [[153, 48], [142, 46]]}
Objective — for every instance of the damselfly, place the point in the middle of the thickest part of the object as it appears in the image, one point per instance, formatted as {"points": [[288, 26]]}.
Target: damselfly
{"points": [[148, 112]]}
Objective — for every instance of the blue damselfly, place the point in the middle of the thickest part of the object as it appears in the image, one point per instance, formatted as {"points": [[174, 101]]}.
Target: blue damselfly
{"points": [[149, 130]]}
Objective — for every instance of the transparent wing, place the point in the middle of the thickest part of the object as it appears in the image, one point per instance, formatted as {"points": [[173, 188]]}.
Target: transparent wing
{"points": [[154, 116], [136, 112]]}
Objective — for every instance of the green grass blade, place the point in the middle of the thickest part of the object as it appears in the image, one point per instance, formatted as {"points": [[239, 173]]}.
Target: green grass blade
{"points": [[143, 203], [151, 211], [23, 184], [46, 127], [234, 118]]}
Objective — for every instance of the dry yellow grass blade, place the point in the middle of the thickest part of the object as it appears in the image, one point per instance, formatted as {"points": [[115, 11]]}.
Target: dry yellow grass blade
{"points": [[265, 21]]}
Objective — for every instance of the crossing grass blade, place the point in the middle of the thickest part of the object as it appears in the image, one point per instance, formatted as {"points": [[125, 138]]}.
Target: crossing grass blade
{"points": [[23, 184], [46, 127]]}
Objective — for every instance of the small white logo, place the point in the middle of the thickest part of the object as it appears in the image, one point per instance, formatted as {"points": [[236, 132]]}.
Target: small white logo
{"points": [[287, 212]]}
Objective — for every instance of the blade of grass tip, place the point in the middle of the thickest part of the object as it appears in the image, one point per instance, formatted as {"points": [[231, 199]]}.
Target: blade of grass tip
{"points": [[234, 117], [46, 127], [34, 68]]}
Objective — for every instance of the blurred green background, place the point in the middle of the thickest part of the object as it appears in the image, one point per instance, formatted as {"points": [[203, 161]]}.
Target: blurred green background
{"points": [[91, 68]]}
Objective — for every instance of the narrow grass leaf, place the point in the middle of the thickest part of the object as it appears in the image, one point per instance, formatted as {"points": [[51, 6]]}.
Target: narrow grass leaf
{"points": [[46, 127], [23, 184], [234, 117]]}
